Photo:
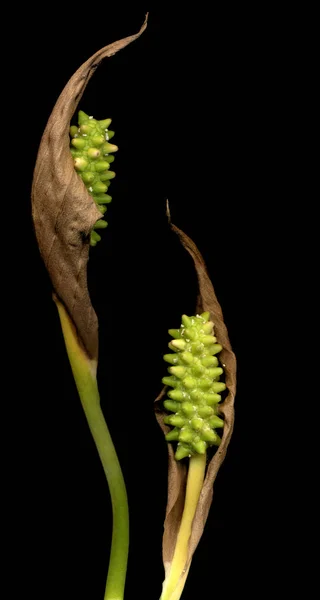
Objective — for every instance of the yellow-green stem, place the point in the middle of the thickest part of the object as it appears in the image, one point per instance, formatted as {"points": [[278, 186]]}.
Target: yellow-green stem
{"points": [[84, 372], [173, 584]]}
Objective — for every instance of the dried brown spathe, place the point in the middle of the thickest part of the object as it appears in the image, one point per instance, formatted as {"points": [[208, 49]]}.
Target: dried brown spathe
{"points": [[62, 209], [207, 301]]}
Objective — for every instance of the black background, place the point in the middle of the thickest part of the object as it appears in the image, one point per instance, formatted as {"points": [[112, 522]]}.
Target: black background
{"points": [[196, 104]]}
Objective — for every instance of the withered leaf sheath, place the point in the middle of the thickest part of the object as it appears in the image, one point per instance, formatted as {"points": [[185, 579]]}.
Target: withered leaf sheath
{"points": [[63, 210], [207, 301]]}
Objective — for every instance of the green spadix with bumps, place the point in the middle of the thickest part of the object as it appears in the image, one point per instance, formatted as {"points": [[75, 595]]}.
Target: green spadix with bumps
{"points": [[92, 154], [193, 401], [195, 378]]}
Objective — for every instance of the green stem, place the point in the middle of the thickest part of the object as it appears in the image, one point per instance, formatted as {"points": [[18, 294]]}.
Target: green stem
{"points": [[84, 372], [176, 577]]}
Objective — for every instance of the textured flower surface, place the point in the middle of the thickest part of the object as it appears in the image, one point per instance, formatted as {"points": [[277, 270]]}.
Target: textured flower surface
{"points": [[92, 155], [195, 378]]}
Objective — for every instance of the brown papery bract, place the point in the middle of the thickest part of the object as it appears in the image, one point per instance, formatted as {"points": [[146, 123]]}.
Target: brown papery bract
{"points": [[63, 211], [177, 475]]}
